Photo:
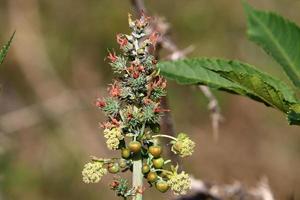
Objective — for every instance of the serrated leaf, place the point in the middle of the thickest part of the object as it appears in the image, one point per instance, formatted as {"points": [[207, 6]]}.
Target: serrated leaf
{"points": [[279, 37], [234, 77], [4, 49]]}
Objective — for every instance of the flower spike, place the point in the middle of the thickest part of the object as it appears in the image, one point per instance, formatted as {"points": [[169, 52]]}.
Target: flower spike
{"points": [[133, 111]]}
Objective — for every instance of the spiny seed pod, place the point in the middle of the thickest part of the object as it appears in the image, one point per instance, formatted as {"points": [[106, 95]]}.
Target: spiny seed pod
{"points": [[155, 151], [135, 146], [152, 177], [158, 163], [125, 153], [162, 186], [113, 168]]}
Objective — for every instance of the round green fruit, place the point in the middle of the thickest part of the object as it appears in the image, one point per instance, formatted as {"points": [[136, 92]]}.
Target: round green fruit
{"points": [[158, 163], [122, 163], [125, 153], [152, 177], [145, 169], [162, 186], [113, 168], [135, 146], [155, 151]]}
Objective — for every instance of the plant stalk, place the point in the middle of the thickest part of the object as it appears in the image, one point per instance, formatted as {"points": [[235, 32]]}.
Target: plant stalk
{"points": [[165, 136], [137, 178]]}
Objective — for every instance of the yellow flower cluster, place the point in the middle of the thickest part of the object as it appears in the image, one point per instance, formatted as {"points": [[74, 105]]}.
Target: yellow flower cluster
{"points": [[183, 145], [179, 183], [113, 137], [93, 172]]}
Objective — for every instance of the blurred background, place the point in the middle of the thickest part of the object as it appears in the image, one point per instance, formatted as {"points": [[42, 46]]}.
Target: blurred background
{"points": [[55, 70]]}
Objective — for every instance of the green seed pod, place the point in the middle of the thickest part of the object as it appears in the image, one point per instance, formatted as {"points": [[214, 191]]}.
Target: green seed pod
{"points": [[162, 186], [113, 168], [158, 163], [125, 153], [155, 151], [135, 146], [122, 163], [145, 169], [152, 177]]}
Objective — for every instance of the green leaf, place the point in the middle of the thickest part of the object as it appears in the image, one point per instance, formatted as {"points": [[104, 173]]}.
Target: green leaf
{"points": [[234, 77], [4, 49], [294, 115], [279, 37]]}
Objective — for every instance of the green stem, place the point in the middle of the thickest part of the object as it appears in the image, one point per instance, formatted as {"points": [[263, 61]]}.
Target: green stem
{"points": [[167, 161], [165, 136], [137, 178], [137, 174], [163, 170]]}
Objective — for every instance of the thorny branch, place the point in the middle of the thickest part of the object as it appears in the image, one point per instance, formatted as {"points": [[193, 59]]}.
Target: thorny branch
{"points": [[200, 189]]}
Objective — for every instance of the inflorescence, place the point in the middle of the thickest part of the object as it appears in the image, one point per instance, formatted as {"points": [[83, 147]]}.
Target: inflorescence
{"points": [[133, 113]]}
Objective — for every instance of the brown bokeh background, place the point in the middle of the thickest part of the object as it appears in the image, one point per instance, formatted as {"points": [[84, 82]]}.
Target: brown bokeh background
{"points": [[56, 68]]}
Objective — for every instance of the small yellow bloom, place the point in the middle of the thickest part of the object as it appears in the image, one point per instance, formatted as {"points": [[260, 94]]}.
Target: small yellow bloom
{"points": [[113, 137], [93, 172], [183, 146], [179, 183]]}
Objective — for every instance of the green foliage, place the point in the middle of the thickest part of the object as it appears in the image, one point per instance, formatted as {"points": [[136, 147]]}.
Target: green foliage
{"points": [[294, 115], [279, 37], [234, 77], [112, 106], [4, 49]]}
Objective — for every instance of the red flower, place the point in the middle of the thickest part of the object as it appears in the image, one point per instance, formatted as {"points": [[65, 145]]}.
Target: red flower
{"points": [[115, 90], [147, 101], [114, 184], [100, 103], [106, 125], [164, 84], [121, 40], [144, 17], [135, 75], [153, 38], [159, 110], [112, 57], [115, 122], [141, 68], [131, 68], [129, 116]]}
